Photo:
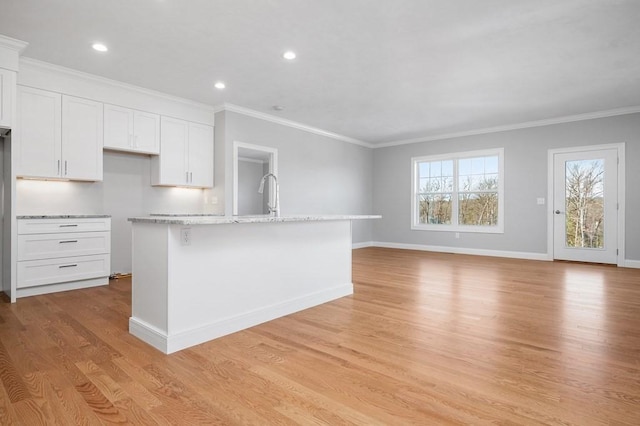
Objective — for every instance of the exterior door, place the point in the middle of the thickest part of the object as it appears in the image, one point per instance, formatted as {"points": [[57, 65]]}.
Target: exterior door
{"points": [[585, 204]]}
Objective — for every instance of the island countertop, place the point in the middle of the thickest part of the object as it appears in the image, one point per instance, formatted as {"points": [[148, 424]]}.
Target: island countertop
{"points": [[223, 220]]}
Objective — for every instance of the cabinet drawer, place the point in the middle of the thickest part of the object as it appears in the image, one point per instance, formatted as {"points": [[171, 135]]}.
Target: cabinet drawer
{"points": [[49, 246], [40, 272], [49, 226]]}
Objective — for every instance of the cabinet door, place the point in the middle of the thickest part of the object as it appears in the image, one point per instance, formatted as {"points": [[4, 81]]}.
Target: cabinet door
{"points": [[146, 134], [169, 168], [7, 82], [118, 127], [200, 155], [82, 138], [38, 133]]}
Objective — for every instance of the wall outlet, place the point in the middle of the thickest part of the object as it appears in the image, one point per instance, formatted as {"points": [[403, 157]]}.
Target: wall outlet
{"points": [[540, 201], [185, 236], [457, 235]]}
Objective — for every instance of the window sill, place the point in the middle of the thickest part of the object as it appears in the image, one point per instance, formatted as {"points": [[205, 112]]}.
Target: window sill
{"points": [[465, 229]]}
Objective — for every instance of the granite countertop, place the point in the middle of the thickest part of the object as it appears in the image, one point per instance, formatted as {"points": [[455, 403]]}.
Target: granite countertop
{"points": [[185, 215], [63, 216], [223, 220]]}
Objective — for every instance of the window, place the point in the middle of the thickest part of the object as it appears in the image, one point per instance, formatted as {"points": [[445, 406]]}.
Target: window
{"points": [[458, 192]]}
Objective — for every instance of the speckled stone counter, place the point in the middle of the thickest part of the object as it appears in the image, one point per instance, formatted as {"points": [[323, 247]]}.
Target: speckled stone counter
{"points": [[64, 216], [223, 220]]}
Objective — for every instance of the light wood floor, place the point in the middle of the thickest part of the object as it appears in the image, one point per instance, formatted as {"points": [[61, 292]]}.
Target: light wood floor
{"points": [[426, 339]]}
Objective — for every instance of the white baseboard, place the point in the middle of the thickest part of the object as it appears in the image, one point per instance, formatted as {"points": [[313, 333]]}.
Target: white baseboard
{"points": [[185, 339], [464, 250], [362, 245], [632, 263], [55, 288], [148, 334]]}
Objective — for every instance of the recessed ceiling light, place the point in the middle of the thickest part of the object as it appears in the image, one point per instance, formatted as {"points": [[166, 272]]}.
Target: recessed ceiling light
{"points": [[219, 85], [99, 47], [289, 54]]}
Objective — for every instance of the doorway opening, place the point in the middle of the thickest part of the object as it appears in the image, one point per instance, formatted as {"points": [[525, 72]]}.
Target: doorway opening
{"points": [[250, 164]]}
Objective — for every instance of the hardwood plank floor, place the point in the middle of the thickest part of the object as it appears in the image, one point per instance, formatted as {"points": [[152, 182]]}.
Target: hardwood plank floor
{"points": [[427, 338]]}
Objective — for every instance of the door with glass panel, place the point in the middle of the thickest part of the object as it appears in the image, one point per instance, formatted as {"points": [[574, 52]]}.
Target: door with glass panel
{"points": [[585, 224]]}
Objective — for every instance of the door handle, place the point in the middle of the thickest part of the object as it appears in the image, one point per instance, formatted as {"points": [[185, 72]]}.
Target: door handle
{"points": [[558, 212]]}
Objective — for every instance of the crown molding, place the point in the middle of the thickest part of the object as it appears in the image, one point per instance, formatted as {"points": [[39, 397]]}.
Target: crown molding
{"points": [[30, 62], [13, 44], [289, 123], [524, 125]]}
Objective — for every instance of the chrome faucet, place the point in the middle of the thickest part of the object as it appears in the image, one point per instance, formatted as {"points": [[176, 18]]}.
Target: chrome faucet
{"points": [[273, 210]]}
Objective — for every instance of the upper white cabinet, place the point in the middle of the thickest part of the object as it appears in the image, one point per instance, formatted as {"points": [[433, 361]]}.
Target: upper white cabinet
{"points": [[186, 155], [82, 138], [130, 130], [39, 132], [6, 96], [200, 155], [59, 136]]}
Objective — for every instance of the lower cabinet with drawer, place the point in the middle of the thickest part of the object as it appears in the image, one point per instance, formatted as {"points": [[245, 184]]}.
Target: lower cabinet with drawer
{"points": [[59, 254]]}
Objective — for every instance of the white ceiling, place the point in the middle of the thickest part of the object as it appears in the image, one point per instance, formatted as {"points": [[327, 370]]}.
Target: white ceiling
{"points": [[373, 70]]}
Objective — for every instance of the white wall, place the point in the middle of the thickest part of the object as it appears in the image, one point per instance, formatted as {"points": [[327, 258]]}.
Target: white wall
{"points": [[525, 153], [316, 174]]}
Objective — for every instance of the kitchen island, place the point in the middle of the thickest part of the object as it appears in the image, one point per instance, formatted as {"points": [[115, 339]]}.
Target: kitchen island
{"points": [[196, 278]]}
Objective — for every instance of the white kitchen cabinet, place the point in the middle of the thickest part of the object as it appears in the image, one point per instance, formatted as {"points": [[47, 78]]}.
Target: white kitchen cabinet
{"points": [[59, 254], [59, 136], [200, 155], [171, 168], [129, 130], [7, 83], [38, 133], [186, 155], [82, 138]]}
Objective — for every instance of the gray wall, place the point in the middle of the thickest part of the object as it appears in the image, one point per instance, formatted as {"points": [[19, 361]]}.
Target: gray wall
{"points": [[317, 174], [249, 200], [525, 153]]}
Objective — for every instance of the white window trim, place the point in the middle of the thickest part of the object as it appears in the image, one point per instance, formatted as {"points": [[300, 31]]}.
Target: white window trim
{"points": [[498, 229]]}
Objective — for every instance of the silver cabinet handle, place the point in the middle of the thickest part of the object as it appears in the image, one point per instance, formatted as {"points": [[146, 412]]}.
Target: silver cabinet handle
{"points": [[68, 226], [558, 212], [191, 177], [65, 167], [68, 266], [187, 176], [67, 241], [58, 173]]}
